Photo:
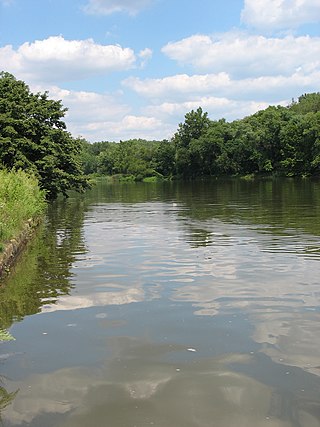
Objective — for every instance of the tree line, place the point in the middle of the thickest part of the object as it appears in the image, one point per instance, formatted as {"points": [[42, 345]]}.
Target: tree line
{"points": [[34, 138], [277, 140]]}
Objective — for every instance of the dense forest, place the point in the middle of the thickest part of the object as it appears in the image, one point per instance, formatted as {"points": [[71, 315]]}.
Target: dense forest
{"points": [[277, 140]]}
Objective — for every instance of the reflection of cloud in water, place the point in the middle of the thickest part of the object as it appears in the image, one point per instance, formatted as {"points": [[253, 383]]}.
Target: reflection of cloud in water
{"points": [[74, 302], [239, 269], [291, 339], [286, 323], [138, 387]]}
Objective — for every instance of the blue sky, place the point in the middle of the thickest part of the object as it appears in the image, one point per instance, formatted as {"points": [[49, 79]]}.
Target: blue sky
{"points": [[134, 68]]}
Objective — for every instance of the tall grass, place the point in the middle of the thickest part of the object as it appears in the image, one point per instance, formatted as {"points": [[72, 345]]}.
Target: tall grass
{"points": [[20, 200]]}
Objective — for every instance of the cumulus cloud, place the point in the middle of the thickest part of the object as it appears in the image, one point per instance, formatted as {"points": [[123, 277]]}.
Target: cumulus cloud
{"points": [[182, 84], [245, 55], [185, 87], [107, 7], [280, 14], [89, 113], [217, 108], [132, 126], [56, 59], [100, 117]]}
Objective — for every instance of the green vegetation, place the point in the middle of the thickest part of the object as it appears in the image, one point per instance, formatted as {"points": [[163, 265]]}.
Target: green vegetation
{"points": [[277, 140], [20, 200], [33, 137], [5, 335]]}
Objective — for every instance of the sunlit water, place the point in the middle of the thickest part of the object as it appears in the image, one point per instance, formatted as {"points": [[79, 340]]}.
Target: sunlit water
{"points": [[168, 305]]}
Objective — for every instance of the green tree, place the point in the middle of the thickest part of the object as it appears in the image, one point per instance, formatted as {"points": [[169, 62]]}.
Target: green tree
{"points": [[33, 137], [307, 103], [195, 125], [300, 141], [164, 158], [266, 127]]}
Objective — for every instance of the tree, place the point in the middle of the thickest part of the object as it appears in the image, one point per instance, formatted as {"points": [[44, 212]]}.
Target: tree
{"points": [[195, 125], [307, 103], [33, 137]]}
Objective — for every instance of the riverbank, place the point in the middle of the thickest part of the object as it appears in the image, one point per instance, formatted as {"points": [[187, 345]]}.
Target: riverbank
{"points": [[15, 246], [22, 205]]}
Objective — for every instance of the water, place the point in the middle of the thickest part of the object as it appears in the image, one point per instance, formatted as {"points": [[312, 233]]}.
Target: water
{"points": [[168, 305]]}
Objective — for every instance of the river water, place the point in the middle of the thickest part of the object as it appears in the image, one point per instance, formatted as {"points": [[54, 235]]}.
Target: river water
{"points": [[168, 305]]}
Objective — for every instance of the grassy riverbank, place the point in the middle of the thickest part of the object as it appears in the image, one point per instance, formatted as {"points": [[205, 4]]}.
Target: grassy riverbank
{"points": [[20, 200]]}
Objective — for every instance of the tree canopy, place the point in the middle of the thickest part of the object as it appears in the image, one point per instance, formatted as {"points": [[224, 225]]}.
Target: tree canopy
{"points": [[33, 137], [277, 140]]}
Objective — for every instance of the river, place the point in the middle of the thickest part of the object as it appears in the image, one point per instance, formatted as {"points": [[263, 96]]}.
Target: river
{"points": [[168, 305]]}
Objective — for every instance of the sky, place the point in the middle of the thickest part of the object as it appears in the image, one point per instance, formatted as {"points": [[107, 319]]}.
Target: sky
{"points": [[133, 68]]}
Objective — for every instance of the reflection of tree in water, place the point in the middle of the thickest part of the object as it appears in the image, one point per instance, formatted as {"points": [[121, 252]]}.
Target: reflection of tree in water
{"points": [[43, 272], [278, 204], [6, 398], [199, 237]]}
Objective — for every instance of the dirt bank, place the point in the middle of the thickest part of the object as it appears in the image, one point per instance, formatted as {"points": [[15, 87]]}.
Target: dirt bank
{"points": [[15, 246]]}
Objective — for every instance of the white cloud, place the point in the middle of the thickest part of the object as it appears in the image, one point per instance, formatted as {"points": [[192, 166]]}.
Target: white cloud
{"points": [[183, 87], [280, 14], [101, 117], [56, 59], [107, 7], [145, 55], [217, 108], [131, 126], [245, 55], [89, 113], [179, 84]]}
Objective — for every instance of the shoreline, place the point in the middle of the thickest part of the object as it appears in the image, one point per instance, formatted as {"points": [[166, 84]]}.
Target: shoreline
{"points": [[14, 247]]}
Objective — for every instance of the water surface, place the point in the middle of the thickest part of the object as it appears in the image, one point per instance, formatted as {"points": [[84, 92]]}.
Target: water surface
{"points": [[168, 305]]}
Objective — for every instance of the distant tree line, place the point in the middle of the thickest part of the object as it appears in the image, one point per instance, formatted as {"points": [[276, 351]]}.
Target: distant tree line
{"points": [[277, 140]]}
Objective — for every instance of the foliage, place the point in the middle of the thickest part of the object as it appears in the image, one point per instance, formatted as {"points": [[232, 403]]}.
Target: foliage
{"points": [[194, 127], [5, 335], [20, 200], [129, 158], [307, 103], [277, 140], [33, 137]]}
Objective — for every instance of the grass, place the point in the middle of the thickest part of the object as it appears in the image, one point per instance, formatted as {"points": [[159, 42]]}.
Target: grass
{"points": [[20, 200]]}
